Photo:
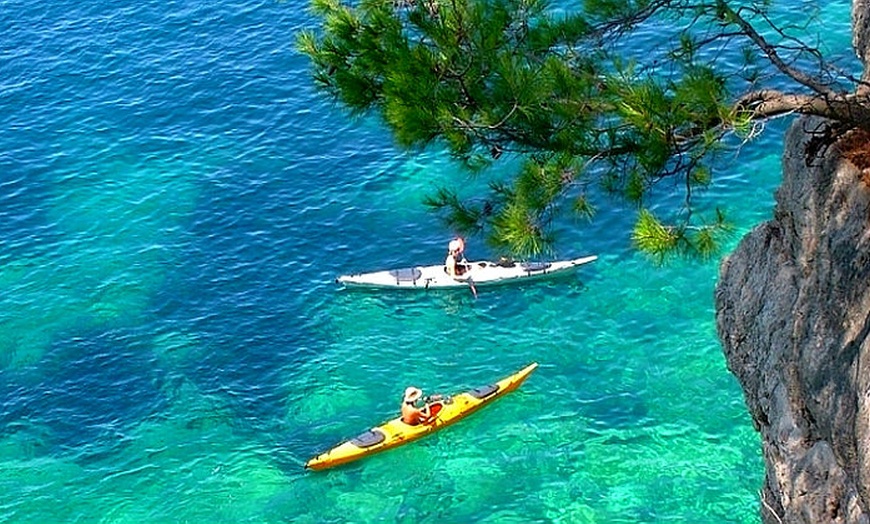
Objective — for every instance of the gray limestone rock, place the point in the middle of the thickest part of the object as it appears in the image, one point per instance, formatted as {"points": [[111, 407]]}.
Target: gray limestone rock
{"points": [[793, 314]]}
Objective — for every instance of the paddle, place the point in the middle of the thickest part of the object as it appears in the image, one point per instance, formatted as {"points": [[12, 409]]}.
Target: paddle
{"points": [[471, 285], [469, 279]]}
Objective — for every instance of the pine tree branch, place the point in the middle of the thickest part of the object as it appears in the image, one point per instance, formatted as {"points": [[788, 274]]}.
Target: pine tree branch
{"points": [[768, 103], [771, 52]]}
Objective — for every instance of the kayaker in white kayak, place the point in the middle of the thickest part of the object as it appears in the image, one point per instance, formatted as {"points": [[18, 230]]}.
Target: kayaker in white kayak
{"points": [[455, 263]]}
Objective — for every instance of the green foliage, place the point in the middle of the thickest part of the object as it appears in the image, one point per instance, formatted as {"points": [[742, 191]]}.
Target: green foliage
{"points": [[704, 241], [658, 240], [459, 215], [485, 78], [605, 10], [701, 176], [653, 237], [583, 208], [634, 189], [516, 230]]}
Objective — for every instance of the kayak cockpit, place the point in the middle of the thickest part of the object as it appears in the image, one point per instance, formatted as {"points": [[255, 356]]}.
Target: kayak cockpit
{"points": [[408, 274], [368, 439], [483, 391], [535, 266]]}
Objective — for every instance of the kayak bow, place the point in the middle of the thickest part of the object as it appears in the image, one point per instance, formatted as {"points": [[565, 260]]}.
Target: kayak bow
{"points": [[395, 432]]}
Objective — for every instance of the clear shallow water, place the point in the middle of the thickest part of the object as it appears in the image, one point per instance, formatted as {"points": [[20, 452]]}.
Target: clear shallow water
{"points": [[175, 200]]}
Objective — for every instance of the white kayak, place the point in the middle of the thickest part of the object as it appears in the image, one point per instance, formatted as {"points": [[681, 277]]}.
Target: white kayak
{"points": [[479, 274]]}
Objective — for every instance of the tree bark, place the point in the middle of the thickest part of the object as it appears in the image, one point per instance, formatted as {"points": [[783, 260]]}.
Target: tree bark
{"points": [[852, 109]]}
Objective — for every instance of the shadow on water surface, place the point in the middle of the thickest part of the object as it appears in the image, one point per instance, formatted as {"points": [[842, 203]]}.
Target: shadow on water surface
{"points": [[512, 298]]}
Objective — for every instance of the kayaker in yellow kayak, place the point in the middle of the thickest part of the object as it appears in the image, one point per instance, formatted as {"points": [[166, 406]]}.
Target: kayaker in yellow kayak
{"points": [[411, 414], [443, 411]]}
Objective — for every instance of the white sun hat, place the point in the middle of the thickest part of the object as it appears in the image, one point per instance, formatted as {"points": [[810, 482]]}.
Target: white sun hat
{"points": [[413, 394]]}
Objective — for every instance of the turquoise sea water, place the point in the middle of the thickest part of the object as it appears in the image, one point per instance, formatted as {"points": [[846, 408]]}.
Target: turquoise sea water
{"points": [[175, 200]]}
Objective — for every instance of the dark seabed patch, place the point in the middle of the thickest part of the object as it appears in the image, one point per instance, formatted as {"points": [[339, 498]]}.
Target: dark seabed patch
{"points": [[94, 387]]}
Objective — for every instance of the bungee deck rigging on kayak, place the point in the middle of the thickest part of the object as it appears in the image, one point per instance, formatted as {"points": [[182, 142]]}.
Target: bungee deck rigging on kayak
{"points": [[395, 432]]}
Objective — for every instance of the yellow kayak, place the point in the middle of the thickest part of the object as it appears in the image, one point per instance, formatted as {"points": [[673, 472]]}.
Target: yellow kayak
{"points": [[395, 432]]}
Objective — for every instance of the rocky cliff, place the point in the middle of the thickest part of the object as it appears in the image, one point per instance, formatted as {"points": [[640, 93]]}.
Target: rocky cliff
{"points": [[793, 313]]}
